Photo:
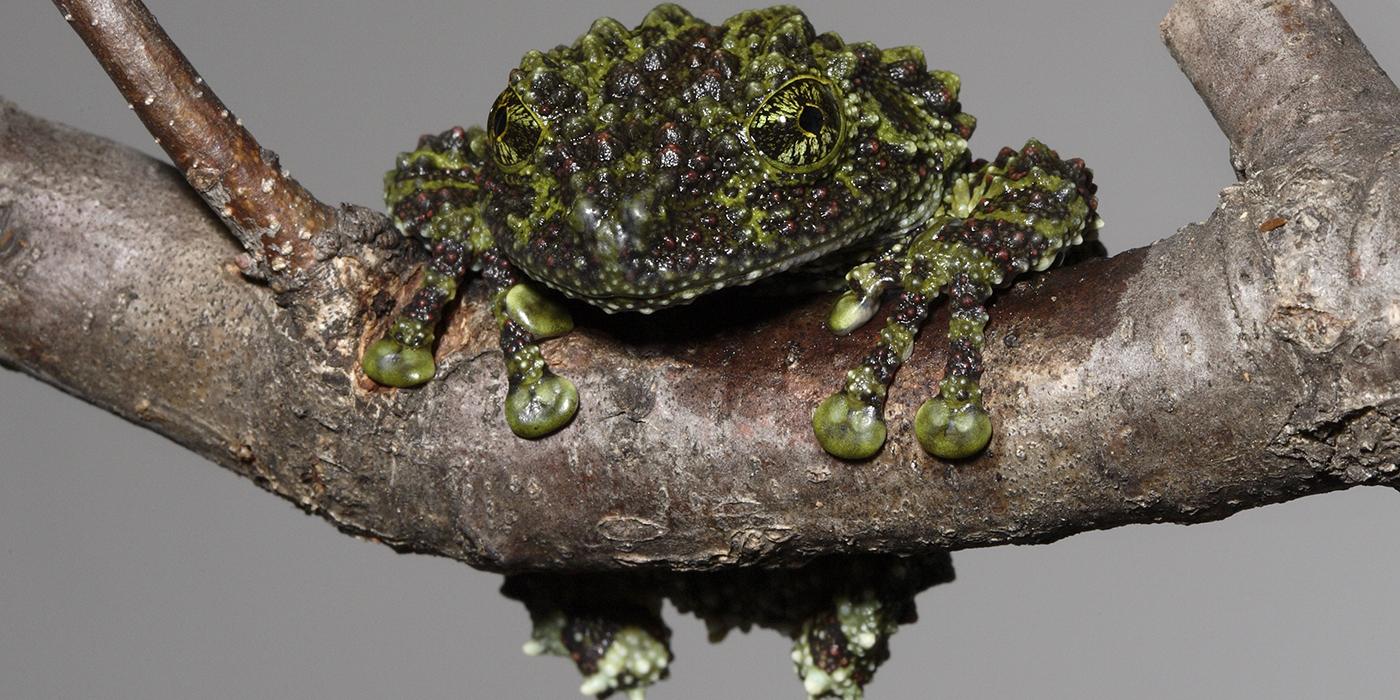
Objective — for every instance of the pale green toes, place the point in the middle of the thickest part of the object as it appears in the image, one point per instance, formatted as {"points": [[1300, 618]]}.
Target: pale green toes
{"points": [[539, 401], [847, 427], [539, 407], [851, 311], [391, 363], [539, 314], [952, 432]]}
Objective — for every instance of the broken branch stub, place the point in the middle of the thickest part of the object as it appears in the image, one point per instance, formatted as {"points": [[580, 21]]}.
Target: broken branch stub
{"points": [[272, 215]]}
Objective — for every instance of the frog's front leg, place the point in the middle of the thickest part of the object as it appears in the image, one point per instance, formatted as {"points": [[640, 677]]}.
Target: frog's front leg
{"points": [[538, 402], [404, 356]]}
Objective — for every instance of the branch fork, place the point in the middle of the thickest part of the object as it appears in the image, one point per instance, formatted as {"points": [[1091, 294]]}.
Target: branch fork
{"points": [[1243, 361]]}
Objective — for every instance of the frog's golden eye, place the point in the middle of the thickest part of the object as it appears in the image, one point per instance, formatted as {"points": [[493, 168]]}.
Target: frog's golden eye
{"points": [[514, 131], [799, 126]]}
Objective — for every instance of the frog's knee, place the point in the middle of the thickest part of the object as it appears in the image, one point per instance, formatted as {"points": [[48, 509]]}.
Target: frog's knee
{"points": [[847, 427], [390, 362], [540, 406], [951, 431]]}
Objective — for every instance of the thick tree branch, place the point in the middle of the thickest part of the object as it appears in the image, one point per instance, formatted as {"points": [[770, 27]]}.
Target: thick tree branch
{"points": [[1243, 361]]}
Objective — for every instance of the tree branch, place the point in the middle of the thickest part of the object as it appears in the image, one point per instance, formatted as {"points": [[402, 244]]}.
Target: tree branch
{"points": [[1243, 361], [272, 215]]}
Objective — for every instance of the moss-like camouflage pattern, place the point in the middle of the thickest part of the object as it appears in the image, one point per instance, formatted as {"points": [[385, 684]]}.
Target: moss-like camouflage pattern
{"points": [[637, 169]]}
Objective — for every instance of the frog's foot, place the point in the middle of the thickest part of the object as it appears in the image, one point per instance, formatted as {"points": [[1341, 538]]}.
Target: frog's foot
{"points": [[838, 650], [391, 362], [952, 431], [953, 425], [868, 282], [538, 401], [404, 356], [849, 426], [850, 423]]}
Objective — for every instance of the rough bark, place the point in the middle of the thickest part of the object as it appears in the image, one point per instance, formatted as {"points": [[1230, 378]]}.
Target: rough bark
{"points": [[284, 229], [1243, 361]]}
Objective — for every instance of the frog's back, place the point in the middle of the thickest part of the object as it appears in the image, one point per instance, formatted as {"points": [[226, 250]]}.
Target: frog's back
{"points": [[639, 168]]}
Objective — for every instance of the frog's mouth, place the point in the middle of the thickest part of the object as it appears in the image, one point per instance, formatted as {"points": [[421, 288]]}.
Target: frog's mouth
{"points": [[686, 293], [686, 290]]}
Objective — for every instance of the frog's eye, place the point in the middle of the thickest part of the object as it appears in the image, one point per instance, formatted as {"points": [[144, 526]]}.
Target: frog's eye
{"points": [[799, 126], [514, 131]]}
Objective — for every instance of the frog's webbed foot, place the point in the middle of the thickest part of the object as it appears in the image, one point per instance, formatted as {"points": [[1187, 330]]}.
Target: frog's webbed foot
{"points": [[850, 423], [538, 401], [953, 425], [404, 356]]}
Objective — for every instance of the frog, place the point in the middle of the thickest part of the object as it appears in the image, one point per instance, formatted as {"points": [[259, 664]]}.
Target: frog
{"points": [[638, 169]]}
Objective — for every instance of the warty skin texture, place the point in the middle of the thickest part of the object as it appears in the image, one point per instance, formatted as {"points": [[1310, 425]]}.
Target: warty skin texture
{"points": [[638, 169]]}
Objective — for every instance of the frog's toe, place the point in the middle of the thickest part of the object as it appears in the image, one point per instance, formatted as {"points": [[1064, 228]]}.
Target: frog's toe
{"points": [[847, 427], [952, 432], [536, 312], [537, 408], [851, 311], [390, 362]]}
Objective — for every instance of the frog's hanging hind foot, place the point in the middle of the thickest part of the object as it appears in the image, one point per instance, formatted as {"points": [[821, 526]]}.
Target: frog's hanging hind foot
{"points": [[538, 401], [404, 356]]}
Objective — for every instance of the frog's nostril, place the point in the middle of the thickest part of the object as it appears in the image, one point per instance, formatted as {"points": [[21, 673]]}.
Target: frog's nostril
{"points": [[586, 215], [638, 213]]}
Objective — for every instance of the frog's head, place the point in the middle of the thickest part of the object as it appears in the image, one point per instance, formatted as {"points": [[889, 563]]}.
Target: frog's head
{"points": [[640, 168]]}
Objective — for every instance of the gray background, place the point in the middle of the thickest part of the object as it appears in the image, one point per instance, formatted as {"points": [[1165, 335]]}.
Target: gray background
{"points": [[132, 569]]}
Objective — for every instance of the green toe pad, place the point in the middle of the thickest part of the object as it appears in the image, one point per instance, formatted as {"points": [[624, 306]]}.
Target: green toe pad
{"points": [[848, 428], [952, 433], [391, 363], [536, 409], [537, 313], [851, 312]]}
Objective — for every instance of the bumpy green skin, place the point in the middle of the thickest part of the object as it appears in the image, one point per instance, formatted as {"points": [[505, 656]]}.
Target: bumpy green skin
{"points": [[612, 632], [637, 169], [837, 652], [840, 612]]}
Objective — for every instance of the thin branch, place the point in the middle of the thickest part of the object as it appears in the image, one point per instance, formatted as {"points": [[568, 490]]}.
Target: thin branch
{"points": [[1247, 360], [272, 215]]}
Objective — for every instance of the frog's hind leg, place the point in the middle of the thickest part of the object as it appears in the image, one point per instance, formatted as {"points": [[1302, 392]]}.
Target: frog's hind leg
{"points": [[1015, 214], [953, 424], [538, 402], [999, 219], [850, 423]]}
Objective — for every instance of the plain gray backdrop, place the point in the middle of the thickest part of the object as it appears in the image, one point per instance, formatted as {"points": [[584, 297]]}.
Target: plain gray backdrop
{"points": [[130, 568]]}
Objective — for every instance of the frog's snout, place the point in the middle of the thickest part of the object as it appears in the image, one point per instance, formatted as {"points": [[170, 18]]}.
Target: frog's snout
{"points": [[629, 225]]}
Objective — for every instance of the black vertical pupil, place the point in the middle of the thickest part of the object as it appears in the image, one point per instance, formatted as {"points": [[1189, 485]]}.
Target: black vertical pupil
{"points": [[811, 119], [498, 122]]}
